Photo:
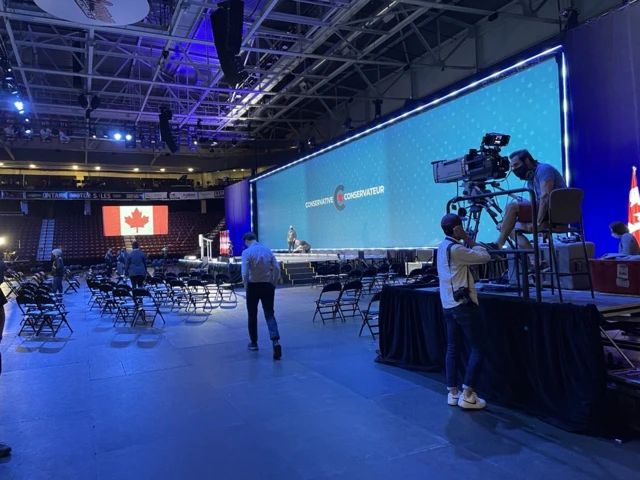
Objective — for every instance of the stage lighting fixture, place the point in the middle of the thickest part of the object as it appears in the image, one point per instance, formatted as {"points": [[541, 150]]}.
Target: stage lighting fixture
{"points": [[1, 164], [32, 166], [311, 142], [163, 169], [195, 141], [97, 168], [117, 136], [130, 139], [571, 16], [19, 105], [377, 104], [214, 142], [13, 89], [136, 169], [190, 169], [75, 167], [82, 100], [8, 75], [26, 120], [95, 102], [28, 131]]}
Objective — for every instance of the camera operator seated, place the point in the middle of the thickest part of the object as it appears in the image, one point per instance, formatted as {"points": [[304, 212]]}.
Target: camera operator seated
{"points": [[542, 178], [628, 246], [460, 307]]}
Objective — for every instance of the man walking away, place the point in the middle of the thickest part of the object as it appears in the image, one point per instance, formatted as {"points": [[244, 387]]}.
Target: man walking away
{"points": [[57, 270], [136, 266], [260, 275], [5, 450], [460, 307]]}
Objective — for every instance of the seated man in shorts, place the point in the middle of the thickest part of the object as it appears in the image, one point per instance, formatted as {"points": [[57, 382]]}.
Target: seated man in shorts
{"points": [[542, 178]]}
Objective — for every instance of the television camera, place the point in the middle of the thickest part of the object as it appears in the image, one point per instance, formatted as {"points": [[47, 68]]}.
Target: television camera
{"points": [[475, 173], [477, 166]]}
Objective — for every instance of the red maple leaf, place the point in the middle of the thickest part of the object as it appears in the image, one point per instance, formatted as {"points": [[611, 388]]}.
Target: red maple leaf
{"points": [[136, 220]]}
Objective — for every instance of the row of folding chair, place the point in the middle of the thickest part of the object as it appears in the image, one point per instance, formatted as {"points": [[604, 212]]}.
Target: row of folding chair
{"points": [[41, 308], [125, 303]]}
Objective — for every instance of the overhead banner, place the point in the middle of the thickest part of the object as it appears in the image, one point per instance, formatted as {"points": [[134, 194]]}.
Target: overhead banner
{"points": [[108, 196], [211, 194], [156, 195], [183, 195], [77, 196]]}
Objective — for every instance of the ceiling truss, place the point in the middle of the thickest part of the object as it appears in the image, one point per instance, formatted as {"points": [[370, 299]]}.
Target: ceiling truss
{"points": [[303, 58]]}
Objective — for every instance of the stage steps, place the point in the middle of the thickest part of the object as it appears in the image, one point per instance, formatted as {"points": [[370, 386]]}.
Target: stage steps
{"points": [[297, 273]]}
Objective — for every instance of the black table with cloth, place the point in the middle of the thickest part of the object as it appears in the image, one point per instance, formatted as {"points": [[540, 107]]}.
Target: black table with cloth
{"points": [[545, 359]]}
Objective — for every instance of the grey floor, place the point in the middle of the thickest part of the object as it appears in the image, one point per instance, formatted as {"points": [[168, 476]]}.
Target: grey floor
{"points": [[190, 402]]}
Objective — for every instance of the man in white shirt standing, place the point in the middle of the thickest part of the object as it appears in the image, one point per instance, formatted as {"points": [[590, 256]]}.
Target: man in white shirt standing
{"points": [[460, 307], [260, 275]]}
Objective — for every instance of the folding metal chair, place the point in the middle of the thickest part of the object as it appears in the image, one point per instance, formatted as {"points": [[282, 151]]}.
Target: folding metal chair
{"points": [[146, 301], [178, 293], [372, 314], [53, 314], [198, 291], [349, 298], [126, 307], [31, 314], [224, 284], [72, 282], [320, 275], [329, 302]]}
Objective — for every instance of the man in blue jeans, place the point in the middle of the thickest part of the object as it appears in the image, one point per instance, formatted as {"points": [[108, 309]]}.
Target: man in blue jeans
{"points": [[460, 306], [260, 275]]}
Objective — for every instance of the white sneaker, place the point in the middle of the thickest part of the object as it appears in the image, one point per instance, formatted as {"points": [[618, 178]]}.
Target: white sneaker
{"points": [[471, 402], [453, 399]]}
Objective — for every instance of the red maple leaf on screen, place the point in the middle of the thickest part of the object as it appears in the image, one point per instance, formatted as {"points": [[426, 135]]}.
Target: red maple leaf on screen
{"points": [[136, 220]]}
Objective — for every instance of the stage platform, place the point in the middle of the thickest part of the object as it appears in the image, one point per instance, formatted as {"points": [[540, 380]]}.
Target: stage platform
{"points": [[540, 356]]}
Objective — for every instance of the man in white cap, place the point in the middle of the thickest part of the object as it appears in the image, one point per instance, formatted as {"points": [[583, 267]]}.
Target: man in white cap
{"points": [[291, 238]]}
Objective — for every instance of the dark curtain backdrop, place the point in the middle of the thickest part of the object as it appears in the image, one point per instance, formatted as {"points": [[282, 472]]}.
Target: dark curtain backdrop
{"points": [[542, 358], [603, 59], [237, 207]]}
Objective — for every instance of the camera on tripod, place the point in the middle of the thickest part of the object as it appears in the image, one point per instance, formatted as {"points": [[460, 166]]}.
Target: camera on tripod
{"points": [[478, 165]]}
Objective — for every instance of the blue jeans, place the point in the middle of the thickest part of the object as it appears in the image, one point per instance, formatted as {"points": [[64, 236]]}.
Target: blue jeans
{"points": [[57, 284], [261, 292], [464, 320]]}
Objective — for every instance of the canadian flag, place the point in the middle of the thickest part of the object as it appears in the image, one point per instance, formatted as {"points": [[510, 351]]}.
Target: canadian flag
{"points": [[634, 207], [135, 220]]}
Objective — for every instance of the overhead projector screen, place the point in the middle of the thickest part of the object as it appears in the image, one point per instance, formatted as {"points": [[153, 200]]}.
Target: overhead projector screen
{"points": [[135, 220], [382, 183]]}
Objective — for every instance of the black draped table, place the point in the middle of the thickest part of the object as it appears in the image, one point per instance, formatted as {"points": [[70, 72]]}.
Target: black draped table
{"points": [[545, 359]]}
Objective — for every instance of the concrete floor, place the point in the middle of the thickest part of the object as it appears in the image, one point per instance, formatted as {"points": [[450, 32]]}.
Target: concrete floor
{"points": [[188, 401]]}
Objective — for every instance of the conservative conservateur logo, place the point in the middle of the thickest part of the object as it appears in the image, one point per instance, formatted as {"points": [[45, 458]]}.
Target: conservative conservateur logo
{"points": [[339, 197]]}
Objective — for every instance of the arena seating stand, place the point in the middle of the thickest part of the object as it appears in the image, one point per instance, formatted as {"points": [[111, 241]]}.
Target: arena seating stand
{"points": [[22, 234], [184, 228], [82, 237]]}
